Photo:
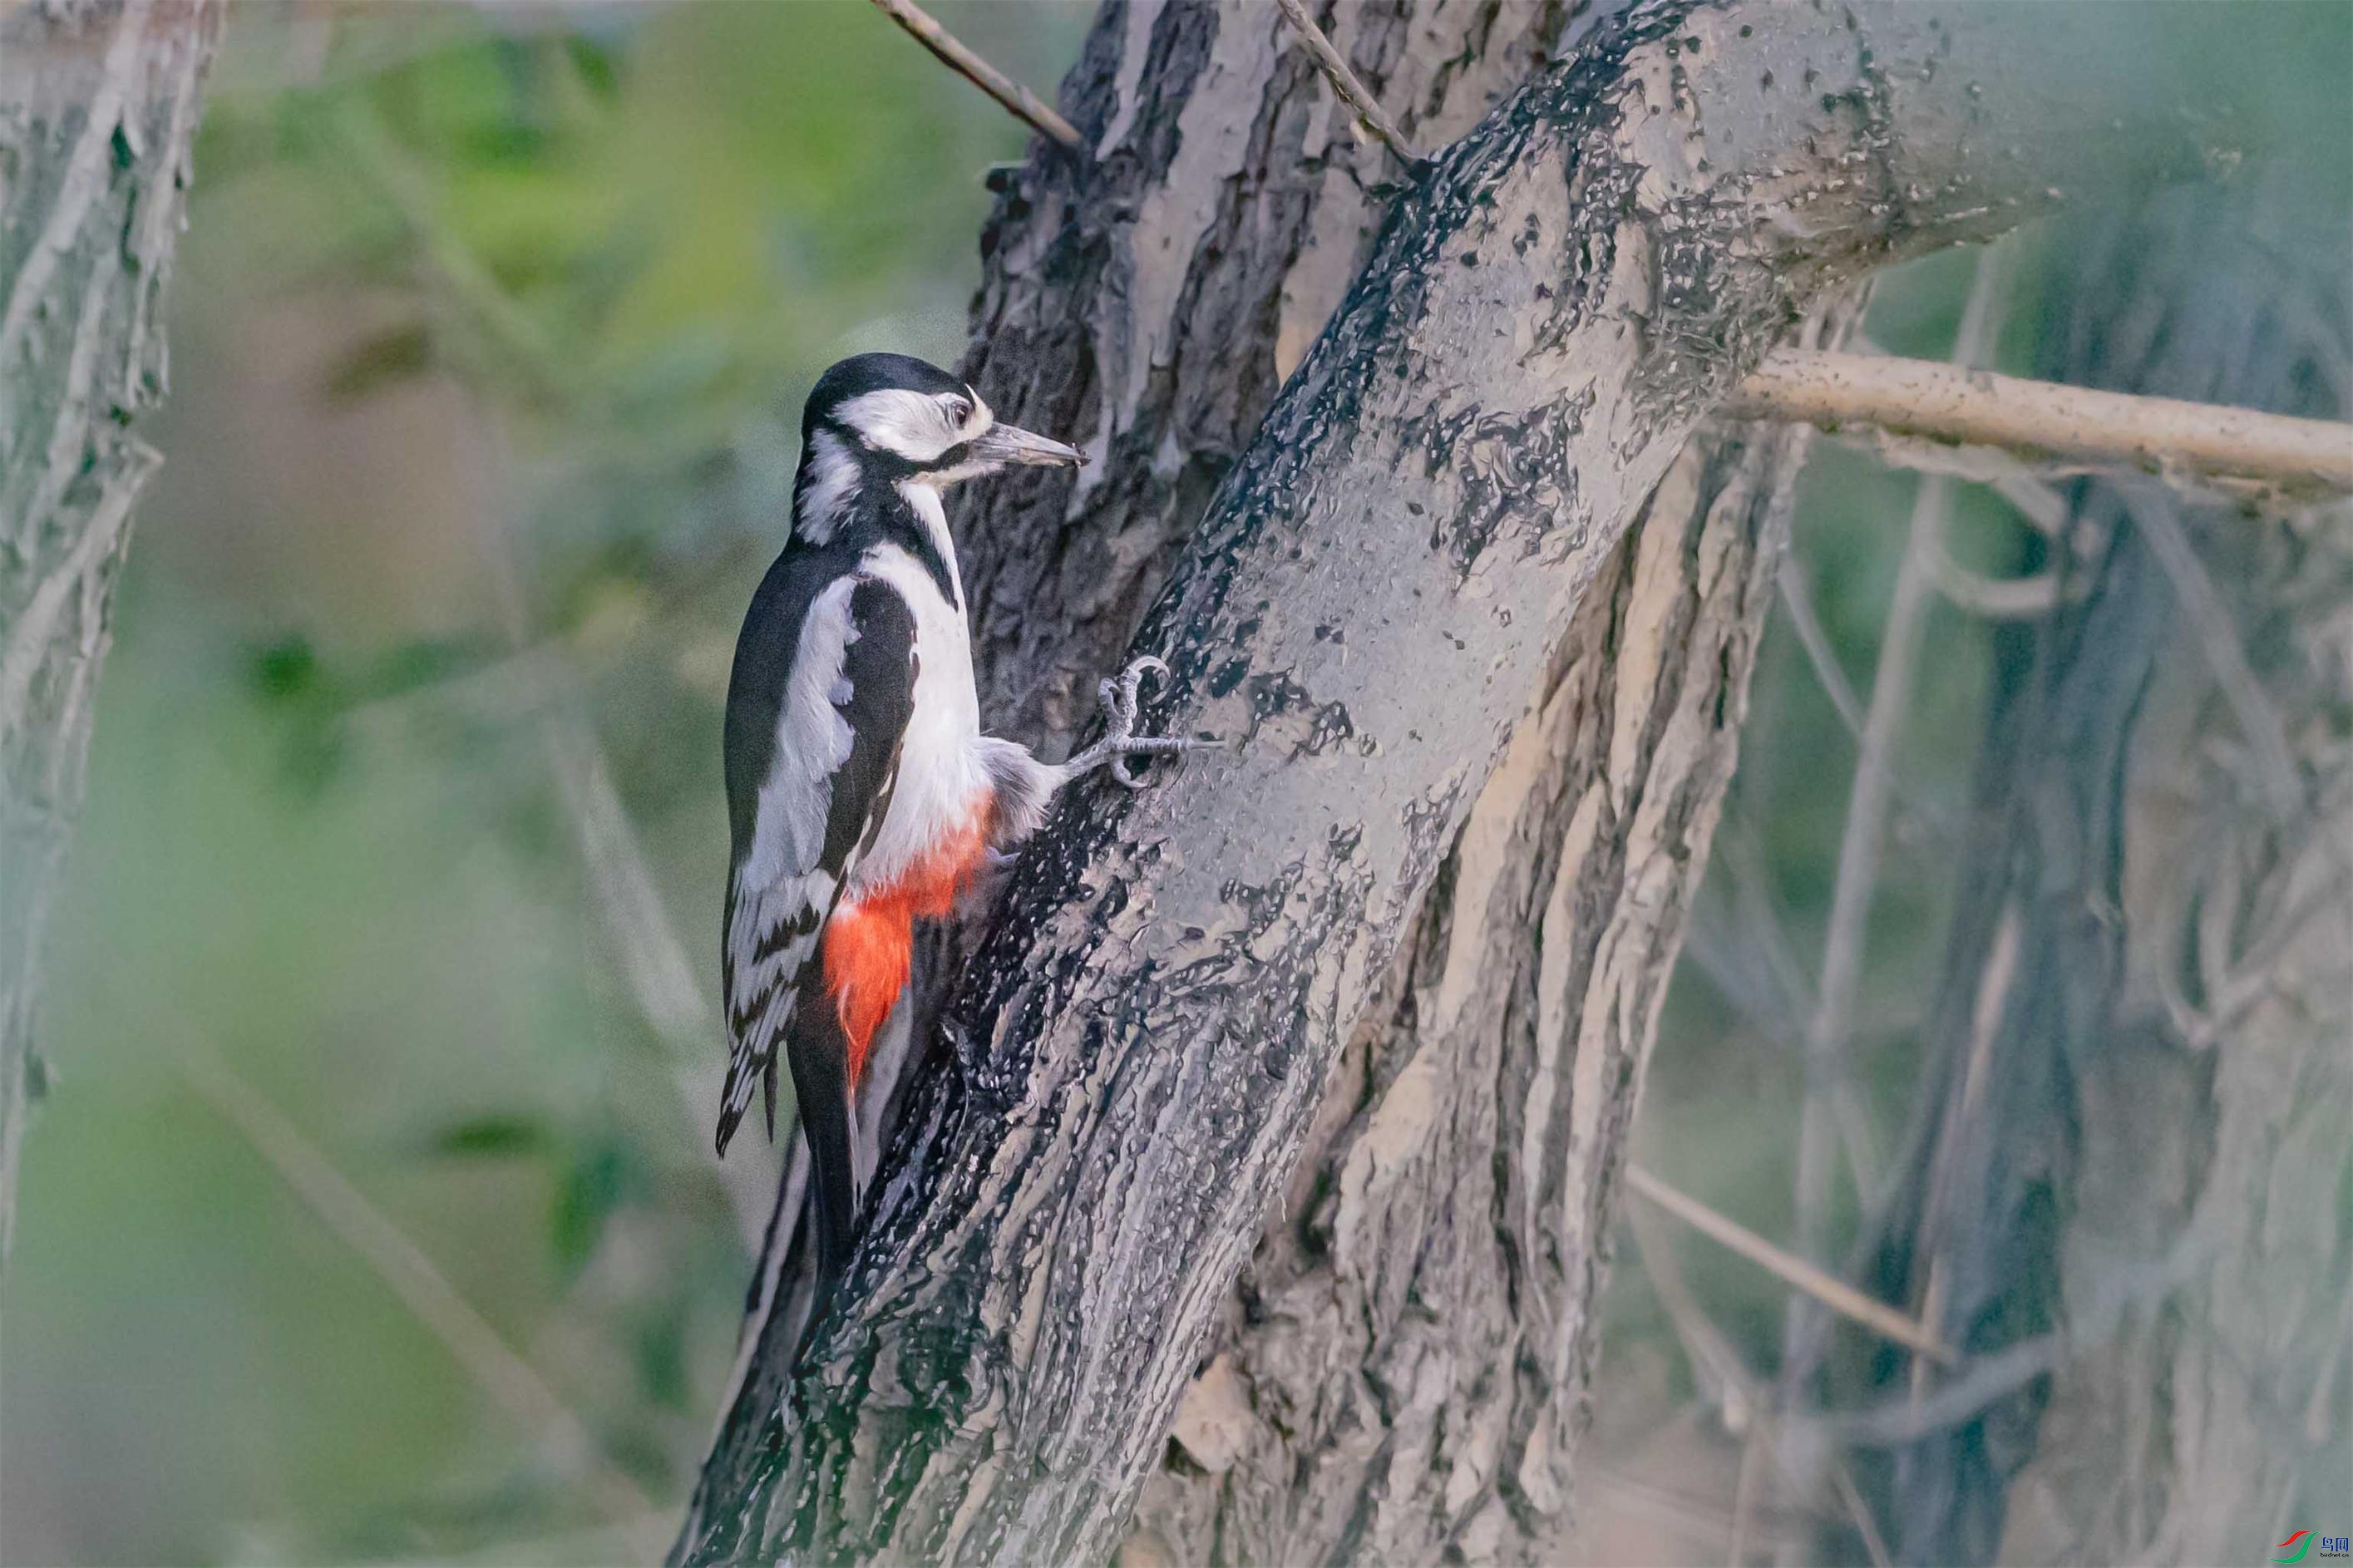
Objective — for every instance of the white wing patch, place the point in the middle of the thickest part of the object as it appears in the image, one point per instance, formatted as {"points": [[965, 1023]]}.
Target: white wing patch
{"points": [[812, 740]]}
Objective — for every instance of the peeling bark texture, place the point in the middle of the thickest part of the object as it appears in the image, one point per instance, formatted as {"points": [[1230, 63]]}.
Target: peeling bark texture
{"points": [[98, 109], [1403, 1372], [2136, 1135], [1152, 307], [1131, 1065]]}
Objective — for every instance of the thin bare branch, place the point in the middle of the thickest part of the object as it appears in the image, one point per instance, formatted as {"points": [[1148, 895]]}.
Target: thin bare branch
{"points": [[1860, 850], [1792, 1271], [1863, 840], [1998, 599], [1018, 100], [1917, 1416], [1798, 601], [1345, 82], [508, 350], [1716, 1367], [511, 1381], [1744, 1499], [2154, 513], [2043, 508], [1747, 1404], [1952, 405]]}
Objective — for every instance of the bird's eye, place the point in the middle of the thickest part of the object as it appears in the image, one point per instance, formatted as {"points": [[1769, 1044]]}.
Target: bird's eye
{"points": [[957, 409]]}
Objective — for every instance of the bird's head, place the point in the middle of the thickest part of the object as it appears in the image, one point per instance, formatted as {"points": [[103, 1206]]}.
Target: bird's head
{"points": [[894, 417]]}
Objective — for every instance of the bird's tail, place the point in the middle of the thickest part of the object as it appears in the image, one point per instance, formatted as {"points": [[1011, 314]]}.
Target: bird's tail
{"points": [[819, 1050], [747, 1067]]}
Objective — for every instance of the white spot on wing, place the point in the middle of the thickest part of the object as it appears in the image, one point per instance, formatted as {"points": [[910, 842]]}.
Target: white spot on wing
{"points": [[812, 740]]}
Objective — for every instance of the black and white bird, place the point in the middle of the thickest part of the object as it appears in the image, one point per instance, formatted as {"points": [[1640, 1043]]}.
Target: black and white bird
{"points": [[860, 793]]}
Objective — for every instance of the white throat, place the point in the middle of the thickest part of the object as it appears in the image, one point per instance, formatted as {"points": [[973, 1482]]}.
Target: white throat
{"points": [[922, 498]]}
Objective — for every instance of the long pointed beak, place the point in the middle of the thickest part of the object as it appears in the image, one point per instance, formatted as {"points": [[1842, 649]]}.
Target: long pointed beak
{"points": [[1011, 444]]}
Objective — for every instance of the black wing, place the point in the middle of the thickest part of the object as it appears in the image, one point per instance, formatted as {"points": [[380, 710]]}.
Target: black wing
{"points": [[823, 687]]}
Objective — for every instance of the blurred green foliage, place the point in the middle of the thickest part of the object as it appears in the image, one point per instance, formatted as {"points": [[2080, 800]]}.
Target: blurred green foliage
{"points": [[492, 329]]}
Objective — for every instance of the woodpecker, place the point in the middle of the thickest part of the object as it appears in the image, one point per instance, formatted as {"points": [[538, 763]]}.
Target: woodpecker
{"points": [[861, 795]]}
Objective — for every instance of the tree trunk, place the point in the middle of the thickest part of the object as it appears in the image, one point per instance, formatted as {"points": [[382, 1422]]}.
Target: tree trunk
{"points": [[1380, 586], [2136, 1145], [1403, 1372], [98, 109]]}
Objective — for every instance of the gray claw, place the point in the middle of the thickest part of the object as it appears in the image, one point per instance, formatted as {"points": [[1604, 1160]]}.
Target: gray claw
{"points": [[1120, 739]]}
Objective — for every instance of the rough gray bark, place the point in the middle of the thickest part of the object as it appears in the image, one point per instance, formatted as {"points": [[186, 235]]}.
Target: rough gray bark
{"points": [[1375, 593], [1154, 302], [98, 109], [1232, 291], [1404, 1370], [2137, 1137]]}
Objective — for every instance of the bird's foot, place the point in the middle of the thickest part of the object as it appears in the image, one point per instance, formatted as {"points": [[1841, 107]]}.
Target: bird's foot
{"points": [[1120, 739]]}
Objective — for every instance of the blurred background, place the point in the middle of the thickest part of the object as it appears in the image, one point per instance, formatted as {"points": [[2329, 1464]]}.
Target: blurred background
{"points": [[492, 328], [375, 1222]]}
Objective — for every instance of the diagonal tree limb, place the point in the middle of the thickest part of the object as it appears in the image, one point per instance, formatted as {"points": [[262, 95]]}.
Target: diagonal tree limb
{"points": [[1348, 85], [1018, 101], [1133, 1058]]}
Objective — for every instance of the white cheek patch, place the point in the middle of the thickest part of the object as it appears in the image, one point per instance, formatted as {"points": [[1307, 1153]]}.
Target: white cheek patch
{"points": [[912, 425]]}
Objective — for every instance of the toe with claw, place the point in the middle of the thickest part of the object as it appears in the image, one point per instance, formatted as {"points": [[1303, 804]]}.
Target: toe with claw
{"points": [[1120, 739]]}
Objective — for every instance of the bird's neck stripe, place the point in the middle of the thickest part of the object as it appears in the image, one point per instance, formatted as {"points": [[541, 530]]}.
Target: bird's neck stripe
{"points": [[931, 546], [825, 487]]}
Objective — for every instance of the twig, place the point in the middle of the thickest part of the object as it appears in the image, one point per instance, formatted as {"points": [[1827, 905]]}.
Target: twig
{"points": [[1744, 1500], [1954, 405], [1798, 601], [1897, 1422], [1792, 1271], [510, 1380], [1688, 1512], [1998, 598], [653, 960], [1712, 1352], [2153, 513], [1863, 839], [2043, 508], [1717, 1366], [1860, 850], [1345, 82], [1858, 1509], [1018, 100]]}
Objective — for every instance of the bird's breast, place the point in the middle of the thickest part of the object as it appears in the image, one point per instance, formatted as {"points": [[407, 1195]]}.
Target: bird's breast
{"points": [[941, 787]]}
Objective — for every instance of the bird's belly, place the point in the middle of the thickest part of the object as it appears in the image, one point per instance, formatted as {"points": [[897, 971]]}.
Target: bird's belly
{"points": [[935, 833], [934, 827]]}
